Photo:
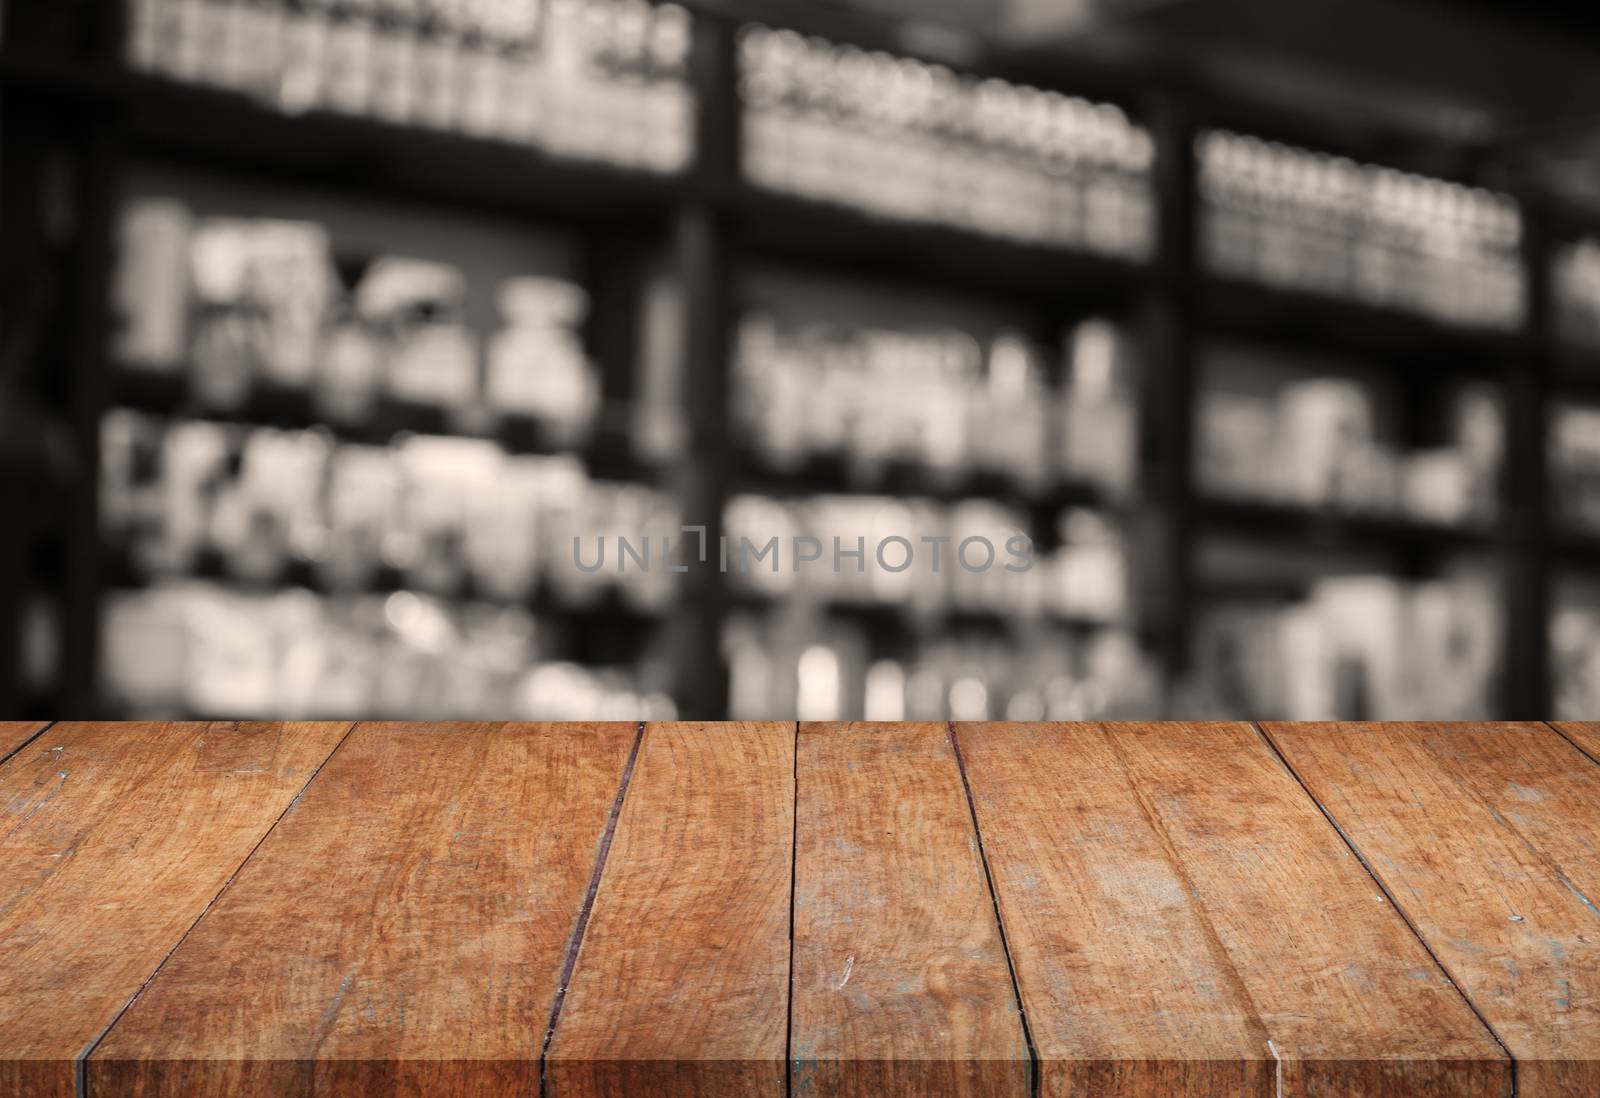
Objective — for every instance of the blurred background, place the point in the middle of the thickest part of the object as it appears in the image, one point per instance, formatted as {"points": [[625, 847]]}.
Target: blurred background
{"points": [[325, 325]]}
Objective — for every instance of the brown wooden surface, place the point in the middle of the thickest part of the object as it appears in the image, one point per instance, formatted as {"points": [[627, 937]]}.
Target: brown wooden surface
{"points": [[900, 981], [1184, 921], [682, 980], [402, 931], [1488, 837], [201, 910], [1586, 735], [1126, 991], [113, 839], [13, 734]]}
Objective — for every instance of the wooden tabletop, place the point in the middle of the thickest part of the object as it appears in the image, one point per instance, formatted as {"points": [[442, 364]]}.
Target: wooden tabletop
{"points": [[1104, 911]]}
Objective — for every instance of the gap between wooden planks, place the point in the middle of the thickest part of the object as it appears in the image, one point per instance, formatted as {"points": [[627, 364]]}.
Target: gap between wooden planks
{"points": [[15, 735], [1142, 944], [1487, 837]]}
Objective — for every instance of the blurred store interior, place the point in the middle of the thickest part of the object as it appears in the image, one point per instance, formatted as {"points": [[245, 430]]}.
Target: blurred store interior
{"points": [[326, 326]]}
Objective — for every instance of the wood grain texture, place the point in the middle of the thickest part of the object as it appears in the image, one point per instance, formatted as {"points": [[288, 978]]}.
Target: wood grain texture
{"points": [[681, 985], [13, 734], [1126, 990], [901, 985], [1184, 921], [1585, 734], [403, 931], [113, 839], [1488, 836]]}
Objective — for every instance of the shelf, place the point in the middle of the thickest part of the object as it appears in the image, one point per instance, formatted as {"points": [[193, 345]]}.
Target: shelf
{"points": [[218, 128], [121, 574], [607, 453], [212, 127], [1320, 323], [887, 618], [1267, 589], [57, 79], [1326, 528], [1579, 549], [221, 129], [831, 475], [778, 227], [1576, 373]]}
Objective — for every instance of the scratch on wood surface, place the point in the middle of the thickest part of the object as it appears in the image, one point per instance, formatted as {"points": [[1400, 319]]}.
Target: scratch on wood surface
{"points": [[32, 810], [849, 966], [330, 1013], [1526, 792], [1555, 870], [1277, 1067]]}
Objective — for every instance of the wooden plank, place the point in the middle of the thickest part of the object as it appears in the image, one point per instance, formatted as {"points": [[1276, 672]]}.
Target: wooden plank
{"points": [[113, 839], [13, 734], [1184, 922], [1586, 734], [403, 930], [682, 980], [1488, 837], [901, 985], [1126, 989]]}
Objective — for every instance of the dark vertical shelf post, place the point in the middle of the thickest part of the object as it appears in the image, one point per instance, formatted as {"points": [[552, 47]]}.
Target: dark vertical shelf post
{"points": [[1169, 392], [611, 333], [613, 277], [98, 159], [1526, 543], [19, 276], [86, 403], [700, 253], [61, 150]]}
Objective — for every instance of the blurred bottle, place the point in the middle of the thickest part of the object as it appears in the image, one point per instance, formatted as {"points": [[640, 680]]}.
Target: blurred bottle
{"points": [[536, 363], [441, 515], [938, 401], [903, 139], [1574, 455], [1575, 648], [592, 79], [199, 649], [254, 308], [1575, 286], [797, 660], [1305, 221], [1099, 434], [1315, 442], [1360, 647]]}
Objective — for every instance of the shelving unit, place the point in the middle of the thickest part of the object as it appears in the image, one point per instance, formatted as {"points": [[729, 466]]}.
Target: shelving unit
{"points": [[206, 127], [824, 475], [1577, 372], [1329, 527], [711, 223], [819, 235], [608, 453], [1437, 350]]}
